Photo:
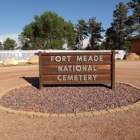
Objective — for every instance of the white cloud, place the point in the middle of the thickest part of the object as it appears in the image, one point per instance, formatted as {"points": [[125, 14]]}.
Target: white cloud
{"points": [[13, 36]]}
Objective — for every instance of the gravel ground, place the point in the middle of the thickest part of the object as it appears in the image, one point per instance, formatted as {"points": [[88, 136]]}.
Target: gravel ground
{"points": [[117, 126], [70, 99]]}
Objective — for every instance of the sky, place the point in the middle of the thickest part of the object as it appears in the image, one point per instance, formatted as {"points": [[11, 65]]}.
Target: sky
{"points": [[15, 14]]}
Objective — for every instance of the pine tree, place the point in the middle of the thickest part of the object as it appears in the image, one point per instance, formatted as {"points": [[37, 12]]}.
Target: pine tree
{"points": [[94, 30], [1, 48], [119, 24], [111, 39], [135, 17], [81, 33]]}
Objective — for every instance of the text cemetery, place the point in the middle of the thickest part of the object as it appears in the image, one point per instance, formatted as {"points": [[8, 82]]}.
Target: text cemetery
{"points": [[57, 68]]}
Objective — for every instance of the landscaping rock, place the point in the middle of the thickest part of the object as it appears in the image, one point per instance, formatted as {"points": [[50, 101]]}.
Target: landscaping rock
{"points": [[11, 61], [33, 60], [132, 56], [70, 99]]}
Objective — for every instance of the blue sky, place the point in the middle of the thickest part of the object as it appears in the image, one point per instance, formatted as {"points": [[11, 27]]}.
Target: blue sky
{"points": [[15, 14]]}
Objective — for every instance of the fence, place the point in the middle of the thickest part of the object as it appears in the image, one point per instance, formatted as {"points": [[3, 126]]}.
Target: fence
{"points": [[24, 55]]}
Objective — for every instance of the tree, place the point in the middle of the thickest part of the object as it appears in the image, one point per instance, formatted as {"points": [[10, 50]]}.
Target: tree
{"points": [[25, 42], [94, 31], [135, 17], [120, 17], [129, 26], [46, 31], [1, 48], [91, 29], [81, 30], [70, 36], [117, 33], [111, 39], [9, 44], [26, 37]]}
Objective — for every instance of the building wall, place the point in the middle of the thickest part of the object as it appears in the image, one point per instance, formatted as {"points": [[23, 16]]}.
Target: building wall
{"points": [[135, 46]]}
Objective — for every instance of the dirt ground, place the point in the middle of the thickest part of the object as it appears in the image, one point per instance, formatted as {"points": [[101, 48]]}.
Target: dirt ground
{"points": [[116, 126]]}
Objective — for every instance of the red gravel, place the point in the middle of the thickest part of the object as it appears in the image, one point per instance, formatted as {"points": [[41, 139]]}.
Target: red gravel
{"points": [[69, 99]]}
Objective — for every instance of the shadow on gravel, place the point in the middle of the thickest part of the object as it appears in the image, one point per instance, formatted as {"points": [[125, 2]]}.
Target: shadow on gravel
{"points": [[34, 81], [72, 85]]}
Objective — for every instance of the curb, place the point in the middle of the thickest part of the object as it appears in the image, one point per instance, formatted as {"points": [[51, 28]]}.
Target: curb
{"points": [[82, 114]]}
